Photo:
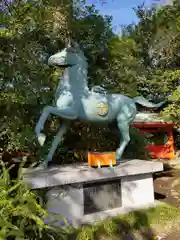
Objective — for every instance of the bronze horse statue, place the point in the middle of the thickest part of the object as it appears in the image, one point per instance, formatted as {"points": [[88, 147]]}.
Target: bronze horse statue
{"points": [[75, 101]]}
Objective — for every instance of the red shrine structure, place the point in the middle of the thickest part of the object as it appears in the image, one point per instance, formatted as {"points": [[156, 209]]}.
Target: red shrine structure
{"points": [[160, 140]]}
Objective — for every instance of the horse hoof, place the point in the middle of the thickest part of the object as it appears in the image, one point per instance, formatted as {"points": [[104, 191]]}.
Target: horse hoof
{"points": [[43, 165], [118, 156], [41, 138]]}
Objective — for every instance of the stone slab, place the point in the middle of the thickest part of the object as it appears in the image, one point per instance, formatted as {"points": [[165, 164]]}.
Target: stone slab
{"points": [[137, 190], [83, 194], [67, 204], [70, 208], [102, 196], [107, 199], [82, 173]]}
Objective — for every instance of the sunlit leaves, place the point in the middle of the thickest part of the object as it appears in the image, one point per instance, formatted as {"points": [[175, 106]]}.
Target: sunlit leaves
{"points": [[32, 31], [125, 67], [158, 41]]}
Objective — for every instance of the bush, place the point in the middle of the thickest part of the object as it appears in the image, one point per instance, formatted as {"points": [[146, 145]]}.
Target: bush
{"points": [[83, 138], [21, 217], [136, 147]]}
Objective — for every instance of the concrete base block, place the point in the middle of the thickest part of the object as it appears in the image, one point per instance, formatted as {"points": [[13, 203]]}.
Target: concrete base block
{"points": [[137, 190], [84, 195], [65, 205]]}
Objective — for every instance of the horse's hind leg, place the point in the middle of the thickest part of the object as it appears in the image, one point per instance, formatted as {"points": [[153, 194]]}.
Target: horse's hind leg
{"points": [[125, 138]]}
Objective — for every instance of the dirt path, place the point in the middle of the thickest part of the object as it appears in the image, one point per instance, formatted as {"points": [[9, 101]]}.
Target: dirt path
{"points": [[172, 236], [167, 189]]}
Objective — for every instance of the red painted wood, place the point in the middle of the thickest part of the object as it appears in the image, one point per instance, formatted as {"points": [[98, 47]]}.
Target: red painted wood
{"points": [[152, 125], [165, 151], [160, 151]]}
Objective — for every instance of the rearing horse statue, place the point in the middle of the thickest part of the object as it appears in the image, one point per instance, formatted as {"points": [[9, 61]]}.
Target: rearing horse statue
{"points": [[76, 102]]}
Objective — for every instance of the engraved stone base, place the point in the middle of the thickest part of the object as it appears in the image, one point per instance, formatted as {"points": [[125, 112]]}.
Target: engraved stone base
{"points": [[101, 196], [84, 195]]}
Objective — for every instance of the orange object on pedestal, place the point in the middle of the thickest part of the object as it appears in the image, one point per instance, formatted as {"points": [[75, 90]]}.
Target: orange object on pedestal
{"points": [[96, 159]]}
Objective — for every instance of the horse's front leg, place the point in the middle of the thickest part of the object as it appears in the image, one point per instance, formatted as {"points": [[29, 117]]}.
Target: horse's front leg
{"points": [[57, 140], [40, 125], [68, 114]]}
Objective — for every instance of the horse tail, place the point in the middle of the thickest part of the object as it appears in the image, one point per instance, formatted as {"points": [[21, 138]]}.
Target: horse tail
{"points": [[145, 103]]}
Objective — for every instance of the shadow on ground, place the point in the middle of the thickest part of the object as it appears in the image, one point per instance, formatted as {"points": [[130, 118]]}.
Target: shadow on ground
{"points": [[159, 196], [167, 172], [118, 229]]}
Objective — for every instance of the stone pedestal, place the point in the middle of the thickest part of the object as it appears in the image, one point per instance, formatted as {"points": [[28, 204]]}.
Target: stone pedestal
{"points": [[82, 194]]}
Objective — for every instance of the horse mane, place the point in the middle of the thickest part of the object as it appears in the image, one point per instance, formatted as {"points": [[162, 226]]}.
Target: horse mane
{"points": [[76, 49]]}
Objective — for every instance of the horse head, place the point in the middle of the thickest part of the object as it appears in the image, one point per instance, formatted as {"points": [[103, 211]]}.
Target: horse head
{"points": [[68, 57]]}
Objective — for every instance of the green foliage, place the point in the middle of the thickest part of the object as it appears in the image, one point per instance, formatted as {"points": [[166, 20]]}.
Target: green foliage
{"points": [[84, 138], [124, 66], [136, 147], [20, 214], [144, 60], [157, 40], [31, 32], [135, 225]]}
